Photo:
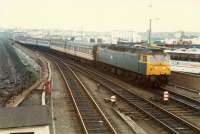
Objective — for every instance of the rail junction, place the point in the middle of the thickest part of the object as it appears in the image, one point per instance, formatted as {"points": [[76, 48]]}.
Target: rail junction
{"points": [[169, 120]]}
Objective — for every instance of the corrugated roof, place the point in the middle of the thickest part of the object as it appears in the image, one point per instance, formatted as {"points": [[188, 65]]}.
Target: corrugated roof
{"points": [[16, 117]]}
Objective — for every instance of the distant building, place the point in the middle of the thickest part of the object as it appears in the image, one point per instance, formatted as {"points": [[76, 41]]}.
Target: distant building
{"points": [[182, 41], [128, 36], [24, 120], [182, 38]]}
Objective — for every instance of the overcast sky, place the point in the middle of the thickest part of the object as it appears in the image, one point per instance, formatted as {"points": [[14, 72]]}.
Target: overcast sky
{"points": [[101, 15]]}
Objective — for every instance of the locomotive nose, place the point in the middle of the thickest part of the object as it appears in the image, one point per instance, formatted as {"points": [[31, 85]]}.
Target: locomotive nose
{"points": [[159, 70]]}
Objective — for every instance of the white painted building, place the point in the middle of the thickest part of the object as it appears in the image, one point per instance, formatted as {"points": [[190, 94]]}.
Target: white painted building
{"points": [[129, 36], [24, 120]]}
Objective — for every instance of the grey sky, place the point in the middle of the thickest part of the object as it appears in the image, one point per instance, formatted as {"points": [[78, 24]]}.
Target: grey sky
{"points": [[101, 15]]}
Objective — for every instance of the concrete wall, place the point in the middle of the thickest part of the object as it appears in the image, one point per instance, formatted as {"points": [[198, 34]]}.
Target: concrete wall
{"points": [[186, 80], [36, 130]]}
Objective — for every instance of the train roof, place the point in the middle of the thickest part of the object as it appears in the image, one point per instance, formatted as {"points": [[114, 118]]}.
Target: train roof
{"points": [[137, 48], [81, 44]]}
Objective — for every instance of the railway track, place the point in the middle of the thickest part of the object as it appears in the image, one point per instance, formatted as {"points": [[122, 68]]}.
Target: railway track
{"points": [[185, 100], [195, 91], [170, 121], [91, 116]]}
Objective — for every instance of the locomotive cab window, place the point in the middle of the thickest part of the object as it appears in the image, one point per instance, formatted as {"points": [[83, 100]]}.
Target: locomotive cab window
{"points": [[144, 58]]}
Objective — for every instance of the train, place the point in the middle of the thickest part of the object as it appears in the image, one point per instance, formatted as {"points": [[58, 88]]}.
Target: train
{"points": [[185, 54], [142, 64]]}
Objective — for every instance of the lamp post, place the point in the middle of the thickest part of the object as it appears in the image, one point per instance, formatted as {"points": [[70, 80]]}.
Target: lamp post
{"points": [[150, 28], [150, 32]]}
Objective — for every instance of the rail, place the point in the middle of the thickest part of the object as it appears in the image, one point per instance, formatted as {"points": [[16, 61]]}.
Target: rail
{"points": [[92, 118], [170, 121], [185, 100]]}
